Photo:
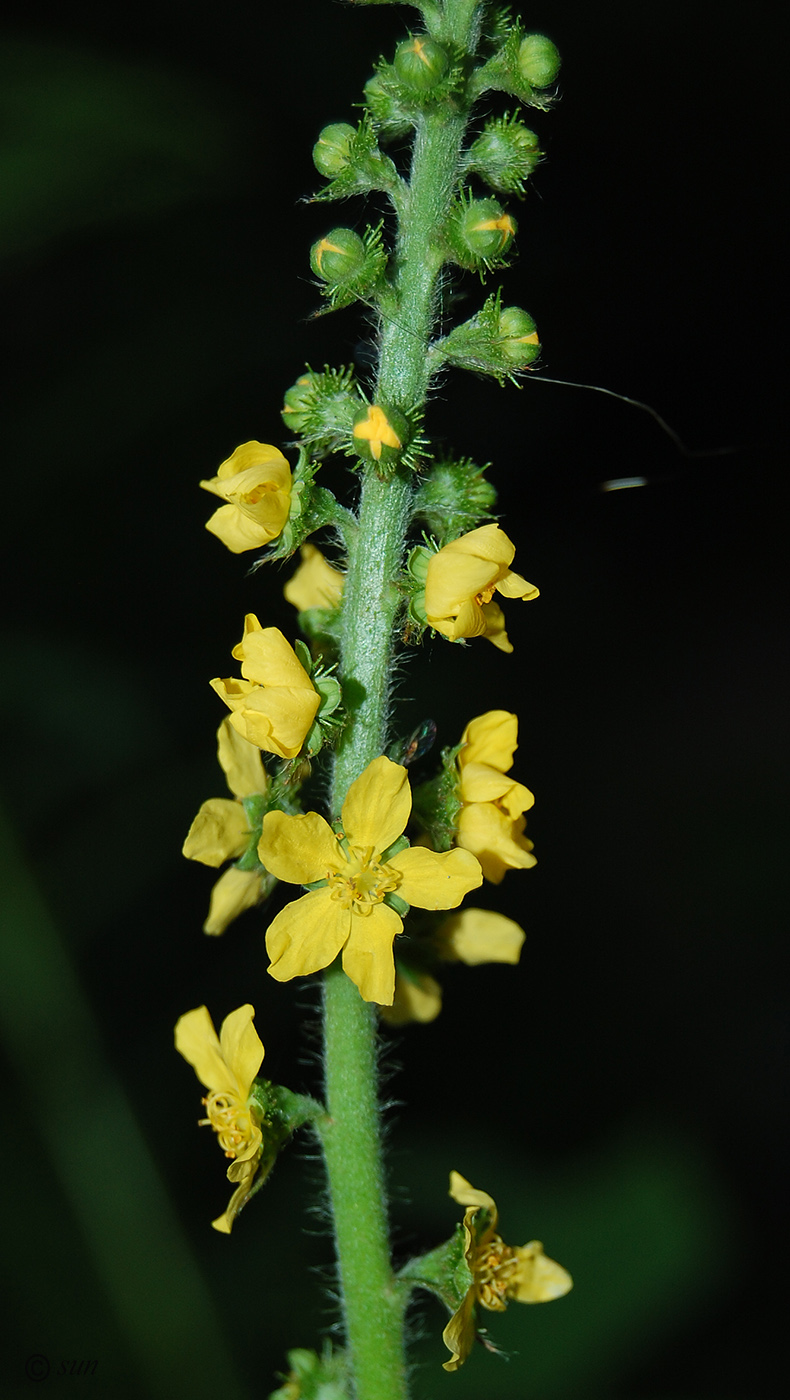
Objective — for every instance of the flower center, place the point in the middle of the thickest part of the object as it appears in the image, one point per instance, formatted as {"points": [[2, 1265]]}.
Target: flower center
{"points": [[251, 498], [363, 882], [231, 1120], [485, 595], [494, 1266]]}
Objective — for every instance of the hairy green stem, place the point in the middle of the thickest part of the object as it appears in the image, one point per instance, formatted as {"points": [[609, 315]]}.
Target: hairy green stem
{"points": [[372, 1301]]}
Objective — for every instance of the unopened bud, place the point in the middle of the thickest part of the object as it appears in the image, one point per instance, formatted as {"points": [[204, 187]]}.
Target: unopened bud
{"points": [[380, 435], [339, 257], [519, 341], [481, 232], [538, 60], [331, 150], [421, 63]]}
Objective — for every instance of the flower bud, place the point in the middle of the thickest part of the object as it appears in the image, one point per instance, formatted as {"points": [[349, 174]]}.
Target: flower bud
{"points": [[505, 154], [421, 63], [339, 257], [320, 408], [380, 435], [385, 107], [331, 150], [298, 401], [480, 232], [451, 501], [538, 60], [518, 337]]}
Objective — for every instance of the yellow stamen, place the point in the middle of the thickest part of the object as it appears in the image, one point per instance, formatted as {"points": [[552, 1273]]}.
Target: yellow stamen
{"points": [[494, 1266], [231, 1120], [362, 882]]}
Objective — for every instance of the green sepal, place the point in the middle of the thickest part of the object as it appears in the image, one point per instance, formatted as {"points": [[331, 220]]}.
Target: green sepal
{"points": [[281, 1109], [454, 499], [361, 166], [313, 1377], [320, 408], [478, 234], [304, 655], [322, 626], [500, 341], [400, 906], [436, 804], [395, 849], [504, 155], [396, 105], [522, 66], [443, 1271]]}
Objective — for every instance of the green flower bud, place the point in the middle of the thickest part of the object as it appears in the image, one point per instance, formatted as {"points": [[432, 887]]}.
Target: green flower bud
{"points": [[338, 258], [518, 337], [298, 400], [505, 154], [538, 60], [331, 150], [321, 408], [453, 500], [382, 101], [421, 63], [480, 232]]}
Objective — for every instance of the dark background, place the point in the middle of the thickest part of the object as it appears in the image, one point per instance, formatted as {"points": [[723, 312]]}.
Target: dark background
{"points": [[619, 1092]]}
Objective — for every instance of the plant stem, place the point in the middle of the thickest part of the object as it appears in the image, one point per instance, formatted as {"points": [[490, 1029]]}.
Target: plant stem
{"points": [[372, 1301]]}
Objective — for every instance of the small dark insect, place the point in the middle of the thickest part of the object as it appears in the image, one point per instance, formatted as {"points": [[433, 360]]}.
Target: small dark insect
{"points": [[407, 751]]}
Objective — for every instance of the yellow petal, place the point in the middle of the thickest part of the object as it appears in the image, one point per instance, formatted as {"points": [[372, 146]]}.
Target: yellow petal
{"points": [[367, 956], [514, 586], [236, 531], [241, 1047], [476, 936], [306, 935], [219, 832], [452, 578], [235, 693], [494, 627], [377, 805], [490, 738], [299, 849], [481, 783], [240, 761], [198, 1042], [277, 719], [434, 880], [263, 495], [495, 839], [469, 621], [235, 891], [418, 997], [252, 454], [268, 658], [459, 1334], [465, 1194], [487, 542], [245, 1179], [315, 584], [538, 1279]]}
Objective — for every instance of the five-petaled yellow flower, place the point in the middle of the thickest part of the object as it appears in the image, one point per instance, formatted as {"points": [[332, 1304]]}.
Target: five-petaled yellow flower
{"points": [[221, 831], [499, 1271], [275, 704], [227, 1065], [255, 481], [356, 871], [471, 936], [490, 823], [460, 584], [315, 584]]}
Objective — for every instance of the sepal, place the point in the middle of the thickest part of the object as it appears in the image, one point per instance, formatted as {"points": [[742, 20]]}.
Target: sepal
{"points": [[436, 804], [523, 66], [504, 155], [454, 499], [349, 157], [498, 341], [321, 408], [311, 508], [443, 1271], [350, 267], [313, 1377]]}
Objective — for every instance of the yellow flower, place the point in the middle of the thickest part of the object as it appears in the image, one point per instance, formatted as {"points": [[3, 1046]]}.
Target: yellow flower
{"points": [[227, 1065], [275, 704], [491, 822], [315, 584], [256, 483], [221, 831], [460, 583], [356, 872], [499, 1271]]}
